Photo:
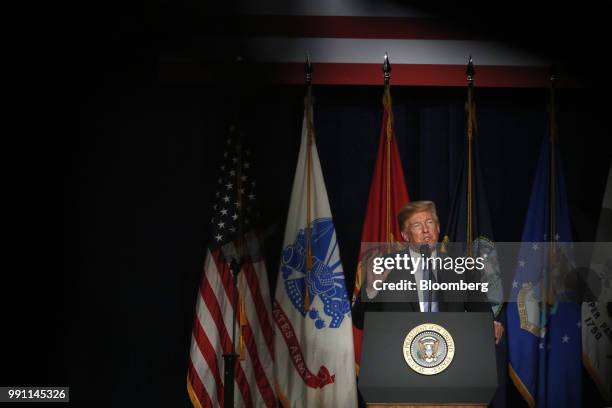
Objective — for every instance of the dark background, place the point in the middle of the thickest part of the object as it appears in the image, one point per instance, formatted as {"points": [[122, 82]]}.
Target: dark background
{"points": [[108, 163]]}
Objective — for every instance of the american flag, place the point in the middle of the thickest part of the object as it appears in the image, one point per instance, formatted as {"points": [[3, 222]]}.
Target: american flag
{"points": [[212, 325]]}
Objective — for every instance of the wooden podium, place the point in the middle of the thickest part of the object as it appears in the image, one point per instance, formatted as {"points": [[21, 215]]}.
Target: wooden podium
{"points": [[386, 380]]}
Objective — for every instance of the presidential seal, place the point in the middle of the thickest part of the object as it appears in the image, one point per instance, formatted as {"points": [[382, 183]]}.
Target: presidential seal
{"points": [[428, 349]]}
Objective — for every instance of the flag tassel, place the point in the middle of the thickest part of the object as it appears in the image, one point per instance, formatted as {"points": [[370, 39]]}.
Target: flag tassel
{"points": [[243, 323]]}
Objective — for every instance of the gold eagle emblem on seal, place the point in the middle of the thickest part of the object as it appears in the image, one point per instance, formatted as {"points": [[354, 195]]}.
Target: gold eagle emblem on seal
{"points": [[428, 349]]}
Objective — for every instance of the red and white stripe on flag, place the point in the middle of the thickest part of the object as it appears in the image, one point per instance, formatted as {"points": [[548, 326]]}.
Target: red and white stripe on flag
{"points": [[347, 39], [212, 331]]}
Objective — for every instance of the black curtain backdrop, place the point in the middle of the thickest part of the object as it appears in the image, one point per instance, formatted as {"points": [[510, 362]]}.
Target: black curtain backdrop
{"points": [[110, 163], [138, 195], [109, 195]]}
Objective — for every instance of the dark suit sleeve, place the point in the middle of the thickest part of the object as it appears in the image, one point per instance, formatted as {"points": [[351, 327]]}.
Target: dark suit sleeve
{"points": [[477, 301], [472, 300]]}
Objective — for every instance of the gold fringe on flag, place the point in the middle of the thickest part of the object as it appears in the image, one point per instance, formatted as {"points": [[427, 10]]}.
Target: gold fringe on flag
{"points": [[242, 317], [240, 247]]}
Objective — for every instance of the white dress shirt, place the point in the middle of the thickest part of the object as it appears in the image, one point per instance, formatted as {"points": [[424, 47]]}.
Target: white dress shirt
{"points": [[418, 275]]}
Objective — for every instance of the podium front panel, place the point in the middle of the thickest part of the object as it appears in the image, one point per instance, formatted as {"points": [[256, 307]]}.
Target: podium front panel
{"points": [[470, 378]]}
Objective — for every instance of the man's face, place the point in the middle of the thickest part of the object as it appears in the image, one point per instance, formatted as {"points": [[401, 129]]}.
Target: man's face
{"points": [[421, 228]]}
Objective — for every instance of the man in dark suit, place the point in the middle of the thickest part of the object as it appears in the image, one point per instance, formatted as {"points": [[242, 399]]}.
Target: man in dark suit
{"points": [[420, 229]]}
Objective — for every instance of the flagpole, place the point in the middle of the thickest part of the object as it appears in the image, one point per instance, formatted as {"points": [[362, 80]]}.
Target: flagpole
{"points": [[386, 69], [310, 136], [229, 358], [553, 137], [470, 137], [389, 130], [552, 230]]}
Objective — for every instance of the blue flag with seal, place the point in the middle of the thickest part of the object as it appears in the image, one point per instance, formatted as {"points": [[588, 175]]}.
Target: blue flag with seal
{"points": [[469, 223], [544, 338]]}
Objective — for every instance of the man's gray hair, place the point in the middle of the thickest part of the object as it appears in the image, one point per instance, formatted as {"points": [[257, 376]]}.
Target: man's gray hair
{"points": [[415, 207]]}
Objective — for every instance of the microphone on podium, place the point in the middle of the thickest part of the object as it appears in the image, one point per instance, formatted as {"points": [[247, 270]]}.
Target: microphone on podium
{"points": [[425, 251]]}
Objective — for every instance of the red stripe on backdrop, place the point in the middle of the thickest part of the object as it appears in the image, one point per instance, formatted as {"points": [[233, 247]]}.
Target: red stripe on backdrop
{"points": [[411, 74], [262, 311], [210, 355], [213, 307], [198, 387], [350, 27]]}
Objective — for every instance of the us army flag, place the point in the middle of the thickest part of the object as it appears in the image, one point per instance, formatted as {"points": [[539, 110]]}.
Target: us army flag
{"points": [[313, 342], [596, 321]]}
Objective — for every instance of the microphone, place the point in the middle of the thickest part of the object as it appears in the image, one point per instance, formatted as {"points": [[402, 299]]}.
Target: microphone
{"points": [[425, 250]]}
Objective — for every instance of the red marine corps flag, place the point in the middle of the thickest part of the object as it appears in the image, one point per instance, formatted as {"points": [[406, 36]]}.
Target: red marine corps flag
{"points": [[233, 240], [388, 194]]}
